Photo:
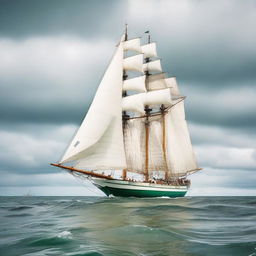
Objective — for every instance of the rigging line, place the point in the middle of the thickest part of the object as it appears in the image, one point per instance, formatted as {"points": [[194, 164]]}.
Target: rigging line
{"points": [[80, 176], [182, 98], [158, 113], [193, 171]]}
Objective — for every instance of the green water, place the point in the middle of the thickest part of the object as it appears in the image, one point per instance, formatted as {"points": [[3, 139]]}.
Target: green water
{"points": [[127, 226]]}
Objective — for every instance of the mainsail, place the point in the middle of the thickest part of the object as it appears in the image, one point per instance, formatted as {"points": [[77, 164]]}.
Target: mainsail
{"points": [[135, 122]]}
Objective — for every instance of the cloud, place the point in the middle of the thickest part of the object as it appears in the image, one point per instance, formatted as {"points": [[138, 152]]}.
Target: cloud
{"points": [[80, 18], [50, 79], [226, 157], [201, 41], [58, 80], [221, 136], [228, 107], [222, 182], [28, 152]]}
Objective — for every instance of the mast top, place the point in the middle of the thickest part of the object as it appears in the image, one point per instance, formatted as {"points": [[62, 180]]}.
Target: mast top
{"points": [[149, 38], [126, 32]]}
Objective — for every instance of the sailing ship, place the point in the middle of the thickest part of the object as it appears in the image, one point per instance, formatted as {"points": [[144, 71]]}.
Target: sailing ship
{"points": [[134, 139]]}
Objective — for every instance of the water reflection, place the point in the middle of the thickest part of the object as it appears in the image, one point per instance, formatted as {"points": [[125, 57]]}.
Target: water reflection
{"points": [[138, 225]]}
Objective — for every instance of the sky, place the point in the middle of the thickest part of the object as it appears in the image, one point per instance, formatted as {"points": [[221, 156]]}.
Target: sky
{"points": [[53, 55]]}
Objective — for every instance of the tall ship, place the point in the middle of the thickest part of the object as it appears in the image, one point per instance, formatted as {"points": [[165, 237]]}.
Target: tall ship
{"points": [[134, 140]]}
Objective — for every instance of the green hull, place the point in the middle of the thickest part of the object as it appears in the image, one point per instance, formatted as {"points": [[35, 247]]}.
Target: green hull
{"points": [[140, 193]]}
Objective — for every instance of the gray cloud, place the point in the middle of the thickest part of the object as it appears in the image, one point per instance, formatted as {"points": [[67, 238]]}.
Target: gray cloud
{"points": [[30, 149], [58, 88], [222, 182], [49, 79], [221, 136], [227, 107], [205, 41], [29, 18]]}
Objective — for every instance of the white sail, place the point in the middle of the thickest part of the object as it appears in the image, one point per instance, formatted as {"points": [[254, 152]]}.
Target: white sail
{"points": [[137, 102], [156, 82], [171, 82], [152, 66], [98, 144], [133, 63], [158, 97], [149, 50], [134, 138], [132, 45], [134, 103], [179, 149], [155, 152], [135, 84]]}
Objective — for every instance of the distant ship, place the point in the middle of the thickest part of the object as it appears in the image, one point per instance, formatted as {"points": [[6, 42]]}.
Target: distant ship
{"points": [[134, 140]]}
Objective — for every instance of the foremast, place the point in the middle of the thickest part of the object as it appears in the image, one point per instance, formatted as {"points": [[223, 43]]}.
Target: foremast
{"points": [[124, 94]]}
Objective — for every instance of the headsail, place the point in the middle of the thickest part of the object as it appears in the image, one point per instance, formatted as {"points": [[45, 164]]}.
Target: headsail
{"points": [[98, 144]]}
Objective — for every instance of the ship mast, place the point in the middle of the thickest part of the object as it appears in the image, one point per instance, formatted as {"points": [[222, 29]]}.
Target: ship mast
{"points": [[147, 123], [163, 112], [147, 112], [125, 76]]}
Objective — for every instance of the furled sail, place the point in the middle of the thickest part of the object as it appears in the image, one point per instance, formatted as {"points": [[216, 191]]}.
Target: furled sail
{"points": [[98, 144], [180, 155]]}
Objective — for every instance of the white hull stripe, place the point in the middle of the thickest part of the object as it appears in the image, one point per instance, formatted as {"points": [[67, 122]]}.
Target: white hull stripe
{"points": [[136, 186]]}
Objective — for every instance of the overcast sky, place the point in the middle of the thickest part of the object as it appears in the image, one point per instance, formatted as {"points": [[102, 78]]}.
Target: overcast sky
{"points": [[53, 55]]}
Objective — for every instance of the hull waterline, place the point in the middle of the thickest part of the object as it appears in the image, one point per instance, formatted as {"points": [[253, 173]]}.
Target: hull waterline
{"points": [[136, 189]]}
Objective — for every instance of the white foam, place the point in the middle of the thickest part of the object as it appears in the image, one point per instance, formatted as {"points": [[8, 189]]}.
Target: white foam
{"points": [[65, 234]]}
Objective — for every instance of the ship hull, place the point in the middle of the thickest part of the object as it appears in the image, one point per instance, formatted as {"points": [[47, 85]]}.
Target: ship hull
{"points": [[138, 189]]}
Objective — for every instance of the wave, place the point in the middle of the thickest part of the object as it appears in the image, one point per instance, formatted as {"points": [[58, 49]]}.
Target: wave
{"points": [[20, 208], [82, 226], [19, 215], [61, 238]]}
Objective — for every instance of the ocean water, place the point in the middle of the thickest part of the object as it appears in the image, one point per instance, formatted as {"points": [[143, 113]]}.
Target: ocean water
{"points": [[127, 226]]}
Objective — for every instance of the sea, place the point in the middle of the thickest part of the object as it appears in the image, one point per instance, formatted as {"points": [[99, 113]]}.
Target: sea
{"points": [[77, 226]]}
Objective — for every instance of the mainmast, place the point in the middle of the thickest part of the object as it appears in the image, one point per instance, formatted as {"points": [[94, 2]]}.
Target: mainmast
{"points": [[147, 112], [124, 116], [163, 112]]}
